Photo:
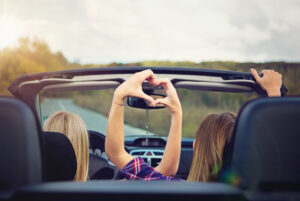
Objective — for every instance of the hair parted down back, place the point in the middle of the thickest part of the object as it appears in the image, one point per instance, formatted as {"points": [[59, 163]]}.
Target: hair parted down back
{"points": [[214, 132]]}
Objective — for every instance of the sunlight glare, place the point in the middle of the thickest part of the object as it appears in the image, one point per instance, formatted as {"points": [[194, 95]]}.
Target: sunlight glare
{"points": [[9, 32]]}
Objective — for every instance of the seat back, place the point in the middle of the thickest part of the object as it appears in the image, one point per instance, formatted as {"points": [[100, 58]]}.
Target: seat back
{"points": [[60, 158], [20, 150], [266, 143]]}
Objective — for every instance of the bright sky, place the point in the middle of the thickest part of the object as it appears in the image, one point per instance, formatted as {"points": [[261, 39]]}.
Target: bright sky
{"points": [[103, 31]]}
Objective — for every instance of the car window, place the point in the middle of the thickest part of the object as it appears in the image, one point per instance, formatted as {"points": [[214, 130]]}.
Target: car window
{"points": [[93, 107]]}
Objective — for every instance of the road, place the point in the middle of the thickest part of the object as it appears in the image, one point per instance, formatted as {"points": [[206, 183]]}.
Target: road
{"points": [[93, 120]]}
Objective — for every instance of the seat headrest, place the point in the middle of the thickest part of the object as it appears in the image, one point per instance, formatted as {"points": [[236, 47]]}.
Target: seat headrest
{"points": [[60, 158], [20, 148], [266, 144]]}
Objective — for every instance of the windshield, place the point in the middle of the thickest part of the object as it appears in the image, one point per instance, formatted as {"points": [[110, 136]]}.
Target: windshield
{"points": [[93, 107]]}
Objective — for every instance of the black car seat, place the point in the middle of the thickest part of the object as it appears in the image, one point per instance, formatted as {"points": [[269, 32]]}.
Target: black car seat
{"points": [[265, 146], [20, 148], [27, 157], [60, 158]]}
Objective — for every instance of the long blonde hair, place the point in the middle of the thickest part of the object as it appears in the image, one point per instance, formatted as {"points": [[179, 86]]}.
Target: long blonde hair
{"points": [[74, 128], [214, 132]]}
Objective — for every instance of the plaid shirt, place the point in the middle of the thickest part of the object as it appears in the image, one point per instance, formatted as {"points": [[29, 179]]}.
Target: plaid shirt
{"points": [[137, 169]]}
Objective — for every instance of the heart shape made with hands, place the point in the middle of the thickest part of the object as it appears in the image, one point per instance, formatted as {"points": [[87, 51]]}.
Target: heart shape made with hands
{"points": [[133, 87], [171, 100], [152, 80]]}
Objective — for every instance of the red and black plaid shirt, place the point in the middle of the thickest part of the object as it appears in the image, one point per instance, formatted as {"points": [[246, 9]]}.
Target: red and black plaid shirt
{"points": [[137, 169]]}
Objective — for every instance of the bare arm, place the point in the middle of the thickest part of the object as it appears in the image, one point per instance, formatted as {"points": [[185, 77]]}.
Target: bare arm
{"points": [[170, 161], [270, 82], [114, 141]]}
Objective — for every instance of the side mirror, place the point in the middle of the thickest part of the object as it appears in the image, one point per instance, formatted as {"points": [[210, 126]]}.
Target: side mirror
{"points": [[143, 104]]}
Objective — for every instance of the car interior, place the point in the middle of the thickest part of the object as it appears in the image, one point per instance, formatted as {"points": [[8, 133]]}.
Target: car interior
{"points": [[260, 162]]}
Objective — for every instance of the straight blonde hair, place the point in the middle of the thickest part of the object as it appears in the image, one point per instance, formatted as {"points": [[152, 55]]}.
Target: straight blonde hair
{"points": [[73, 127], [214, 132]]}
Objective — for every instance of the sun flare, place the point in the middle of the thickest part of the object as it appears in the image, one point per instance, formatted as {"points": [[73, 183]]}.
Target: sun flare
{"points": [[9, 32]]}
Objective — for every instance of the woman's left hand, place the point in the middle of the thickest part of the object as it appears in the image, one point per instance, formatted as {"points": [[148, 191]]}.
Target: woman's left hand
{"points": [[171, 100]]}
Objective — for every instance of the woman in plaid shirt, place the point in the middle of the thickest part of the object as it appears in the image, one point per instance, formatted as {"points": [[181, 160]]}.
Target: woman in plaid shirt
{"points": [[135, 168]]}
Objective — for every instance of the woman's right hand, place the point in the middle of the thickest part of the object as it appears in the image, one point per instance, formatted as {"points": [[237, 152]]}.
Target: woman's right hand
{"points": [[133, 87], [271, 81]]}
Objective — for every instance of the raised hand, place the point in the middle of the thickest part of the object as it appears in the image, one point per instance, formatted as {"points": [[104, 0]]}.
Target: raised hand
{"points": [[271, 81], [133, 87], [171, 100]]}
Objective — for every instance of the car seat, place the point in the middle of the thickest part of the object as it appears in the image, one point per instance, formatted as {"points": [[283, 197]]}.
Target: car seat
{"points": [[27, 157], [60, 158], [264, 152], [20, 148]]}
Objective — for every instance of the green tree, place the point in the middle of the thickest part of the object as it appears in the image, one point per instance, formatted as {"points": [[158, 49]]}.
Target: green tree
{"points": [[29, 56]]}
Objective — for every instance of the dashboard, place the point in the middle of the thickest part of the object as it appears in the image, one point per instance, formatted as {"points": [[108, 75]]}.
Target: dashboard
{"points": [[150, 148], [149, 142], [151, 157]]}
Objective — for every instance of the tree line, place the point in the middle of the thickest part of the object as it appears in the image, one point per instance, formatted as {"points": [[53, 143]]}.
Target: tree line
{"points": [[34, 55]]}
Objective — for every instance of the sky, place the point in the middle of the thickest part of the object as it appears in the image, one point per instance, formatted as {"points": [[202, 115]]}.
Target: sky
{"points": [[104, 31]]}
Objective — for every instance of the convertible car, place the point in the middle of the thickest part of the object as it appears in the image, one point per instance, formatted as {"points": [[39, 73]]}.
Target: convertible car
{"points": [[260, 163]]}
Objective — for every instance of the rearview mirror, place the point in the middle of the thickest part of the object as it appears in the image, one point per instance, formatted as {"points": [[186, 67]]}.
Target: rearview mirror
{"points": [[143, 104]]}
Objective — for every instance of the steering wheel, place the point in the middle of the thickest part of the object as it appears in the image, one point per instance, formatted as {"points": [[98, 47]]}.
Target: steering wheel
{"points": [[97, 141], [99, 166]]}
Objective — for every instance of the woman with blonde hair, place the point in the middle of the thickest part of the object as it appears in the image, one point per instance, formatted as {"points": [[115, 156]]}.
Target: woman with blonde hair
{"points": [[73, 127]]}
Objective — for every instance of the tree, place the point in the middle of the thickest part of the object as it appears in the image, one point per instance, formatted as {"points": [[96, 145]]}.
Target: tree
{"points": [[29, 56]]}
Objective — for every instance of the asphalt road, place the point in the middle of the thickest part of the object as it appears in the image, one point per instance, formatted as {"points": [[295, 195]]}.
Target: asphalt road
{"points": [[93, 120]]}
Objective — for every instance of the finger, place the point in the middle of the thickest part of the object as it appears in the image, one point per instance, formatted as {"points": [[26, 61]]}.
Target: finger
{"points": [[146, 74], [149, 76], [161, 101], [156, 82], [265, 71], [165, 80], [165, 83], [255, 75], [279, 76], [153, 80], [147, 98]]}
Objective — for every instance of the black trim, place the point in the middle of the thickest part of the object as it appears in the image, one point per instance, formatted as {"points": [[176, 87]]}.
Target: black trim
{"points": [[69, 74], [29, 92]]}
